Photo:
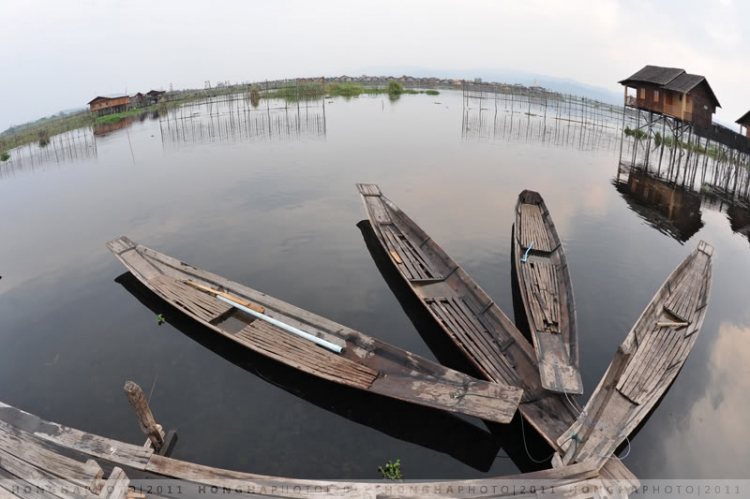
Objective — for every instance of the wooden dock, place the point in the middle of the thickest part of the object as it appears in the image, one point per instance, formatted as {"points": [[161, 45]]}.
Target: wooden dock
{"points": [[482, 332], [44, 460]]}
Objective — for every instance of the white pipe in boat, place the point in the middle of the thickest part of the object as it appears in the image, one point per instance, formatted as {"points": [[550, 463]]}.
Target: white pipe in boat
{"points": [[286, 327]]}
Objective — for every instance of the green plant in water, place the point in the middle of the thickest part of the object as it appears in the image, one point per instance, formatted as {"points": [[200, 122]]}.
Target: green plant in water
{"points": [[392, 470], [254, 97], [395, 88], [432, 92], [704, 189], [160, 319], [4, 156]]}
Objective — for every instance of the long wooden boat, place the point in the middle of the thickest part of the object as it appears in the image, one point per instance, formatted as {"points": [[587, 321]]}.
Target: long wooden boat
{"points": [[478, 327], [46, 460], [447, 433], [547, 294], [365, 363], [646, 363]]}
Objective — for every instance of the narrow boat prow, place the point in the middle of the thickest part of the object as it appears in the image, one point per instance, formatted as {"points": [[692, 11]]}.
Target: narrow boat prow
{"points": [[547, 294], [311, 343], [646, 363]]}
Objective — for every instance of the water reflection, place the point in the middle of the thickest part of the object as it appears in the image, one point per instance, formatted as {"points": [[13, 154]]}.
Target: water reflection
{"points": [[668, 208], [533, 126], [700, 438], [106, 128], [70, 147], [445, 433], [234, 120]]}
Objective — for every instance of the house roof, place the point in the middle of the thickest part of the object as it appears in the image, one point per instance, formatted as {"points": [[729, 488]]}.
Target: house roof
{"points": [[744, 118], [686, 82], [657, 75], [155, 92], [99, 97], [674, 79]]}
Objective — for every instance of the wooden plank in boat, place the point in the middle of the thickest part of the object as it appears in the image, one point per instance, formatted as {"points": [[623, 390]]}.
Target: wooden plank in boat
{"points": [[130, 455], [53, 485], [29, 448], [305, 355], [116, 486]]}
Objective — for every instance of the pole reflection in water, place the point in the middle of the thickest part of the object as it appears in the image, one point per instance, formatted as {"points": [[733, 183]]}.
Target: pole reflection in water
{"points": [[76, 146], [534, 125], [236, 120]]}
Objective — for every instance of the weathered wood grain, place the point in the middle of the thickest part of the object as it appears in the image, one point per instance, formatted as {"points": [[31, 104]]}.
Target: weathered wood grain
{"points": [[547, 295], [646, 363], [547, 412], [365, 362]]}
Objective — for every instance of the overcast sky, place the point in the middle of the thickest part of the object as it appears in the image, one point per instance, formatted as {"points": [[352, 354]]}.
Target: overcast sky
{"points": [[58, 55]]}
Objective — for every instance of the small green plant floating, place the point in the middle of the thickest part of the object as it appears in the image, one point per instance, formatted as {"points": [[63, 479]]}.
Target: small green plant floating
{"points": [[392, 470], [160, 319], [704, 189]]}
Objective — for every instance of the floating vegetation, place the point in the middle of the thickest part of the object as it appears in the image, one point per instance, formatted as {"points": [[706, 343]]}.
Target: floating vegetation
{"points": [[4, 156], [160, 319], [43, 136], [254, 97], [392, 470]]}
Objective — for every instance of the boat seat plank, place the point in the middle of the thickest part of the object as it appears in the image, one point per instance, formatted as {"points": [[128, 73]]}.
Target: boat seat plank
{"points": [[305, 355], [378, 210]]}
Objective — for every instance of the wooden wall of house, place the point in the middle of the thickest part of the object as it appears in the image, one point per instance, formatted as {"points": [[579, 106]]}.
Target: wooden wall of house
{"points": [[649, 97], [106, 103], [701, 105]]}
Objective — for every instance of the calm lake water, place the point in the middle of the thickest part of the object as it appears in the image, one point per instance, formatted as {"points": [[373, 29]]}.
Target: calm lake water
{"points": [[267, 198]]}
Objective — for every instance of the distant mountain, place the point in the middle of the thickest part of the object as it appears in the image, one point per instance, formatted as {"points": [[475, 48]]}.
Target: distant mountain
{"points": [[563, 85]]}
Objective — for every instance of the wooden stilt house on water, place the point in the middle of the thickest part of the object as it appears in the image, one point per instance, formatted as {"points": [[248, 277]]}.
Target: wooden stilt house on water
{"points": [[107, 105], [744, 122], [672, 92]]}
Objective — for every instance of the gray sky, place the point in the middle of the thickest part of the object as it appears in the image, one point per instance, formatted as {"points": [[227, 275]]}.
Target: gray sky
{"points": [[58, 55]]}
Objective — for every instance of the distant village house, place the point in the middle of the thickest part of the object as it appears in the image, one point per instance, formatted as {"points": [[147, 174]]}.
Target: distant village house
{"points": [[672, 92], [109, 105]]}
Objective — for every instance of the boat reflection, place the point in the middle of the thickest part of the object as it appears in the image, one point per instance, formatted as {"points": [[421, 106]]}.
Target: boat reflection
{"points": [[436, 430], [668, 208]]}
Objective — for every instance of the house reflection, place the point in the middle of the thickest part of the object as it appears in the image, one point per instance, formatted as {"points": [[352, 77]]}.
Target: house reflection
{"points": [[670, 209], [736, 209]]}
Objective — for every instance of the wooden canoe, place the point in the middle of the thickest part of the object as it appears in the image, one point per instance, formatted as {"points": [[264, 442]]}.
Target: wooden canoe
{"points": [[646, 363], [547, 294], [485, 336], [365, 363]]}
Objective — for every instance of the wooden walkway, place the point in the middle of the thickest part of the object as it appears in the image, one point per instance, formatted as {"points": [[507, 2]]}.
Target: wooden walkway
{"points": [[44, 460], [487, 338], [646, 363]]}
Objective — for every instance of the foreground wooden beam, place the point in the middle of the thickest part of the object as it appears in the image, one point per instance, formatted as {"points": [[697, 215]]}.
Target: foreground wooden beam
{"points": [[143, 412]]}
